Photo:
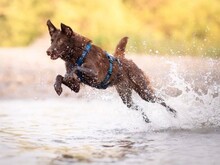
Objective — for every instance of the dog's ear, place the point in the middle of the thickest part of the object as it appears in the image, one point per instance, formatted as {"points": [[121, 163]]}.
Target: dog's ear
{"points": [[51, 27], [66, 30]]}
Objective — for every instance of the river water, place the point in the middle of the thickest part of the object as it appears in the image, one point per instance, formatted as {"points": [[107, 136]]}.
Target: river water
{"points": [[98, 129]]}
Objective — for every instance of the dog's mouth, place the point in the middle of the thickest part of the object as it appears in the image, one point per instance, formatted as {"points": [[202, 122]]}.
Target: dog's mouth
{"points": [[55, 56]]}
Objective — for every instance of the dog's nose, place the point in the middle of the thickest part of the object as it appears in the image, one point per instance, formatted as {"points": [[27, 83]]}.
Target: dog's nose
{"points": [[49, 52]]}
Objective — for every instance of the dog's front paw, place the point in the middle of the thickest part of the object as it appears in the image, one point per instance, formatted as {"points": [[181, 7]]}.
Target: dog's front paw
{"points": [[58, 88]]}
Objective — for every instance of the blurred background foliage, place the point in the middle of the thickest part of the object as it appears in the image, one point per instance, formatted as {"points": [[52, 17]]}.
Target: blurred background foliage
{"points": [[167, 27]]}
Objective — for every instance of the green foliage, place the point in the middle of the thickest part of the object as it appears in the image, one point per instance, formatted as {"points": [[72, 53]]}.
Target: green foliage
{"points": [[22, 21], [181, 27], [159, 26]]}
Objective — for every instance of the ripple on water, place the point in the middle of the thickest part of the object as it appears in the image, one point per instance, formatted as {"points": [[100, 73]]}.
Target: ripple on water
{"points": [[98, 131]]}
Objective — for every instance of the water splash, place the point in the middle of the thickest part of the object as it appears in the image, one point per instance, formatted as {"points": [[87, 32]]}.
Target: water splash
{"points": [[195, 108]]}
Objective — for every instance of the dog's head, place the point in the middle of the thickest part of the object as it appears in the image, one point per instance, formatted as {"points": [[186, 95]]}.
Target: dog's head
{"points": [[61, 40]]}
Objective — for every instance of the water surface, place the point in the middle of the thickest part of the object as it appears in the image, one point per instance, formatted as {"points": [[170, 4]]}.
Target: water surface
{"points": [[96, 128], [66, 131]]}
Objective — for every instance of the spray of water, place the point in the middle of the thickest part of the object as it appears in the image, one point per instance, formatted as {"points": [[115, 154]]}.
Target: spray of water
{"points": [[196, 109]]}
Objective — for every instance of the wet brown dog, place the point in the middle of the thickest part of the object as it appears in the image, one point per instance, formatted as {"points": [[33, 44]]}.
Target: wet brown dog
{"points": [[89, 64]]}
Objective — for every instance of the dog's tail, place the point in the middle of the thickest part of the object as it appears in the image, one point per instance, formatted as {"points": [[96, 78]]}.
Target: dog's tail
{"points": [[120, 49]]}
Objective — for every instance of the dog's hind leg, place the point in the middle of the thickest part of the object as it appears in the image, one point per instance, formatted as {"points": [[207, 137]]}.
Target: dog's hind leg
{"points": [[144, 94], [169, 109], [125, 93], [150, 97], [141, 85]]}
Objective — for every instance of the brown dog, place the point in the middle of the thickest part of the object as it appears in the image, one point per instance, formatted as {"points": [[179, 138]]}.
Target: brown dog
{"points": [[89, 64]]}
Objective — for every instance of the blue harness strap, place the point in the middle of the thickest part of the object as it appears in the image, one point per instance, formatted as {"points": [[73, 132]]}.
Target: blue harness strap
{"points": [[105, 83], [84, 54], [80, 60]]}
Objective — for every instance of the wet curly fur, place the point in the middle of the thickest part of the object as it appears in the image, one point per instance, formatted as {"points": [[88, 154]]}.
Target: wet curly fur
{"points": [[126, 76]]}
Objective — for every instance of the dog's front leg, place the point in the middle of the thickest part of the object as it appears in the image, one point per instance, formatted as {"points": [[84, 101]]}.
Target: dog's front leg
{"points": [[70, 82], [58, 83]]}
